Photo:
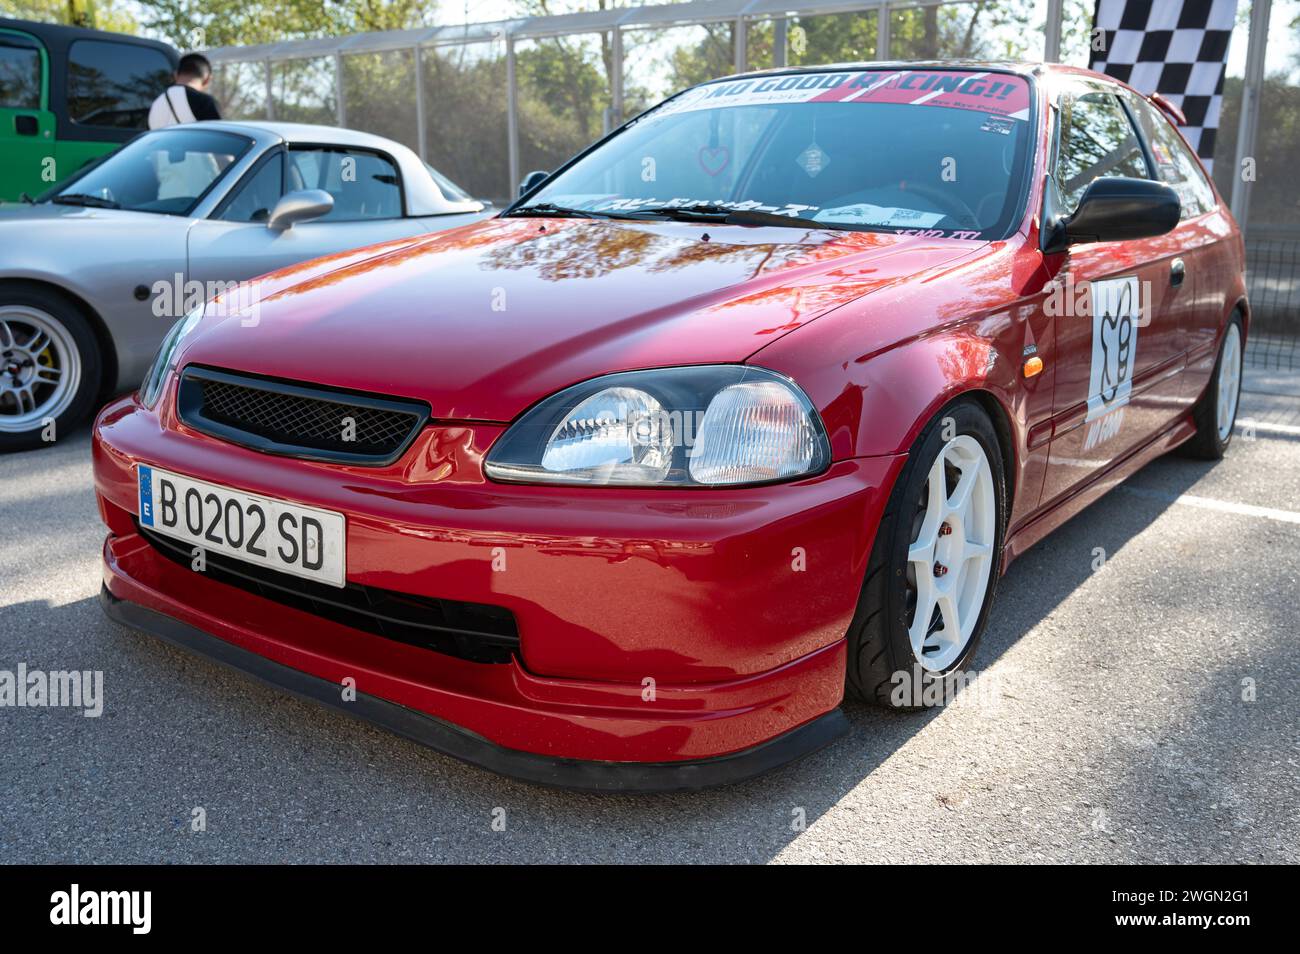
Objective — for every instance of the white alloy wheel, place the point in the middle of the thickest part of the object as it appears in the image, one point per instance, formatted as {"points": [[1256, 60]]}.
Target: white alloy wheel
{"points": [[1229, 381], [951, 560]]}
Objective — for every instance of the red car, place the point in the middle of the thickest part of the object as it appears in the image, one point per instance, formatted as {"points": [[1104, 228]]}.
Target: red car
{"points": [[744, 408]]}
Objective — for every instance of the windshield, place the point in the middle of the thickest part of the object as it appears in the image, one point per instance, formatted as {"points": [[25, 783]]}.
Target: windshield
{"points": [[935, 151], [166, 172]]}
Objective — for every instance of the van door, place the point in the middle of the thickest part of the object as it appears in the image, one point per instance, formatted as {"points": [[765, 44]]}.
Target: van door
{"points": [[26, 122]]}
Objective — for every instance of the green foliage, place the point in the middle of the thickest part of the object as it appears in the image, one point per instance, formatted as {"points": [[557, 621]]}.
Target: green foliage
{"points": [[191, 24], [1275, 197], [110, 15]]}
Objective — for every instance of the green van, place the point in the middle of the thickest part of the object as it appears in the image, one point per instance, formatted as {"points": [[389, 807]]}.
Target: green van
{"points": [[67, 96]]}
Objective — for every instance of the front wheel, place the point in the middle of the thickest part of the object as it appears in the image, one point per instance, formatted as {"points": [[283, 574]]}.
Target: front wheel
{"points": [[934, 565], [49, 367]]}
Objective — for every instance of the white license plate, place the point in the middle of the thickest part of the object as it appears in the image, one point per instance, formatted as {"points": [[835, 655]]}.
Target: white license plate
{"points": [[303, 541]]}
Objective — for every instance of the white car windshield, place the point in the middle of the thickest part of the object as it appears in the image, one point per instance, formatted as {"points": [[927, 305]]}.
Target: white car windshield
{"points": [[166, 172], [935, 151]]}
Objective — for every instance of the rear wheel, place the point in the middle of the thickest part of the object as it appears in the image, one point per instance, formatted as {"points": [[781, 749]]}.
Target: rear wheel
{"points": [[49, 367], [1216, 412], [933, 567]]}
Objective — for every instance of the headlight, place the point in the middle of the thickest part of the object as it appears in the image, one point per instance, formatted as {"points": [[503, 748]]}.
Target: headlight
{"points": [[162, 362], [678, 427]]}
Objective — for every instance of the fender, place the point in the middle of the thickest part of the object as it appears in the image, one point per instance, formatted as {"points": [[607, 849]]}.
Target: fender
{"points": [[894, 390]]}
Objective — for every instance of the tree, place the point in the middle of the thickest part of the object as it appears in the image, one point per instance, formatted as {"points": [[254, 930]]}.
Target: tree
{"points": [[193, 24], [99, 14], [1274, 198]]}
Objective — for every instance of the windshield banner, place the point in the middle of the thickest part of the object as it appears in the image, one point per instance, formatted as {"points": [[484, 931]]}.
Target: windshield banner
{"points": [[1001, 94]]}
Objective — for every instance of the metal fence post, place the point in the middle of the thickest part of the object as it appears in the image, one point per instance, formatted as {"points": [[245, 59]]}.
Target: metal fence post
{"points": [[882, 31], [616, 81], [270, 90], [340, 100], [740, 37], [1248, 125], [1052, 31], [780, 31], [512, 120], [417, 55]]}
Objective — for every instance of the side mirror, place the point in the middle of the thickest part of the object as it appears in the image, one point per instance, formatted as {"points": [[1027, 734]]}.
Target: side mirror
{"points": [[299, 207], [532, 181], [1114, 209]]}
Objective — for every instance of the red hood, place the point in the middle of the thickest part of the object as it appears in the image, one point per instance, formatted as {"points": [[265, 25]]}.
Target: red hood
{"points": [[485, 320]]}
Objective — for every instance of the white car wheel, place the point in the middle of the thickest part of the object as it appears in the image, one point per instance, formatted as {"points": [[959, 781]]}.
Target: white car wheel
{"points": [[951, 559], [1229, 381]]}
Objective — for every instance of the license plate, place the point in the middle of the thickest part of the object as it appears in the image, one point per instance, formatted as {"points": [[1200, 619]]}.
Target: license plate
{"points": [[304, 541]]}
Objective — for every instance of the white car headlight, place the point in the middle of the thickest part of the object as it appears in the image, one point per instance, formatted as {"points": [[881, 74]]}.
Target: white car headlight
{"points": [[719, 425], [162, 362]]}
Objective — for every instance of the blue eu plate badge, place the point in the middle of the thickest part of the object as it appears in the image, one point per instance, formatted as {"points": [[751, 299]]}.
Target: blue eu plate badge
{"points": [[145, 476]]}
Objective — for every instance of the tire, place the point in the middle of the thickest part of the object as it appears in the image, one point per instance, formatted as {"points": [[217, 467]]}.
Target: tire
{"points": [[880, 644], [1213, 433], [50, 367]]}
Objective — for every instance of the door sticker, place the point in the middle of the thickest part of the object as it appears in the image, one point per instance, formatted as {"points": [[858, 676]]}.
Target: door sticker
{"points": [[1115, 317]]}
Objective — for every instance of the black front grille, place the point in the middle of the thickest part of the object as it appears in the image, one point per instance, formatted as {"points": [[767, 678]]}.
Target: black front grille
{"points": [[473, 631], [298, 420]]}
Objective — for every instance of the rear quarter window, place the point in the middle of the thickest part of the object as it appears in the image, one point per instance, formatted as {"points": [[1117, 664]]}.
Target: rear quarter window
{"points": [[20, 73], [114, 84], [1176, 166]]}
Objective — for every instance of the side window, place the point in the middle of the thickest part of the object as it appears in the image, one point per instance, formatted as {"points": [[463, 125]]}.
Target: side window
{"points": [[258, 195], [365, 185], [1175, 164], [114, 84], [1096, 140], [20, 73]]}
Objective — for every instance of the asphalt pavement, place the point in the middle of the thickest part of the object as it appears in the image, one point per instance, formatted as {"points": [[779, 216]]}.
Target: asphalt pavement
{"points": [[1137, 702]]}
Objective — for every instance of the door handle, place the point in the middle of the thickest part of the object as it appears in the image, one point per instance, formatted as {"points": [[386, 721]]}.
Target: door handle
{"points": [[26, 125], [1177, 272]]}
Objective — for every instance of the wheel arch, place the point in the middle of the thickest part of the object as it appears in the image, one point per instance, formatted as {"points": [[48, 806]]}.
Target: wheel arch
{"points": [[103, 338], [1006, 440], [1241, 308]]}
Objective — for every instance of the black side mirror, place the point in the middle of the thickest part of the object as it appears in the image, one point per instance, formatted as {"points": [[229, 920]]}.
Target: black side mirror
{"points": [[532, 181], [1114, 209]]}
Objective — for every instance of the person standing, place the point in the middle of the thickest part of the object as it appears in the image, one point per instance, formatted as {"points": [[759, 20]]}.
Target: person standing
{"points": [[187, 100]]}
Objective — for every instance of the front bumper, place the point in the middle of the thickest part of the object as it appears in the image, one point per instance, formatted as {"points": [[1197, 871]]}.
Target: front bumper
{"points": [[453, 740], [655, 628]]}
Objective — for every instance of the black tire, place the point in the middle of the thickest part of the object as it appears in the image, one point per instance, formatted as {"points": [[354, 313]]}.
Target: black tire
{"points": [[1206, 445], [878, 640], [75, 411]]}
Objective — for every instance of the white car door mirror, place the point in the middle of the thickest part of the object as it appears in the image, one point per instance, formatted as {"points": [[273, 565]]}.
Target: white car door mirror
{"points": [[299, 207]]}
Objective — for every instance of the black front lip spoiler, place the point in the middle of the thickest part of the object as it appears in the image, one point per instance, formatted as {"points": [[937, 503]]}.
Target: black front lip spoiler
{"points": [[460, 743]]}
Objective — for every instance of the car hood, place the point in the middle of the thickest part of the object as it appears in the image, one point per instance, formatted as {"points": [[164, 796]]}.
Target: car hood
{"points": [[35, 220], [485, 320]]}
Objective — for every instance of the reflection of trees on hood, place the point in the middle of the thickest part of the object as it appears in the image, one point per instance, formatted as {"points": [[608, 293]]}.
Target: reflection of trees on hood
{"points": [[589, 250], [575, 252]]}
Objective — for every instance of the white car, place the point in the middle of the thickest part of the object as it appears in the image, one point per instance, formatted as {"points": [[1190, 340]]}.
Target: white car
{"points": [[93, 273]]}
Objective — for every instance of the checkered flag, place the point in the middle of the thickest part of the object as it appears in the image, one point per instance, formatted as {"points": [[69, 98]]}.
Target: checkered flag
{"points": [[1177, 48]]}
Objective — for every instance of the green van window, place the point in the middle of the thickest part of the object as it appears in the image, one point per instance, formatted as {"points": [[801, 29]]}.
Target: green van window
{"points": [[20, 73], [114, 84]]}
